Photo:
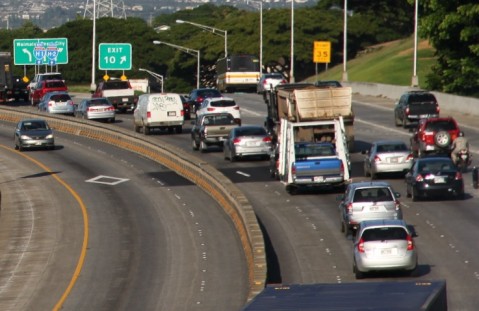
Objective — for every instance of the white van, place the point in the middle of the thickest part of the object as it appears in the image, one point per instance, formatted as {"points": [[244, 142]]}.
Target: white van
{"points": [[159, 110]]}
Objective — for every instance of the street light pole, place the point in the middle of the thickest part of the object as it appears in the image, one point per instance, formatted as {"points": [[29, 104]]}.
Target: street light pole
{"points": [[189, 51], [260, 32], [93, 55], [345, 42], [415, 79], [154, 74], [291, 72], [216, 31]]}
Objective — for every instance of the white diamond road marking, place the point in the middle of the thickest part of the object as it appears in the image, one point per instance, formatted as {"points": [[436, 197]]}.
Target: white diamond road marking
{"points": [[107, 180]]}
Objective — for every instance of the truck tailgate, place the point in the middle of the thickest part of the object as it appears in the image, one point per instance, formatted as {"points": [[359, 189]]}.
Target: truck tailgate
{"points": [[319, 166]]}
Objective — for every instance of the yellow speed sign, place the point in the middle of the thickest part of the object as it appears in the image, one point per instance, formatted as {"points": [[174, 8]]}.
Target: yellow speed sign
{"points": [[322, 52]]}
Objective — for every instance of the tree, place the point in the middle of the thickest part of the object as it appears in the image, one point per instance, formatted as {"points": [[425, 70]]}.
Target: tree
{"points": [[452, 27]]}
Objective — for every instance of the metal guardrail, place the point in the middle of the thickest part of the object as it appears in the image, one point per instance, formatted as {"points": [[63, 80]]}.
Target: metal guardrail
{"points": [[214, 183]]}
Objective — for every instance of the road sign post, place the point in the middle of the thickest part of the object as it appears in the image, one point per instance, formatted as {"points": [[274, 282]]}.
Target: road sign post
{"points": [[40, 51], [114, 56]]}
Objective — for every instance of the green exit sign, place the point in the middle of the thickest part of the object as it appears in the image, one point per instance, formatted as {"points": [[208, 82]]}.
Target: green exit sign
{"points": [[114, 56]]}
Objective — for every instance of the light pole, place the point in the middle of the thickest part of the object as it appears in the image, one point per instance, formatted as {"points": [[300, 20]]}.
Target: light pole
{"points": [[154, 74], [345, 43], [415, 79], [291, 71], [260, 33], [219, 32], [93, 55], [189, 51]]}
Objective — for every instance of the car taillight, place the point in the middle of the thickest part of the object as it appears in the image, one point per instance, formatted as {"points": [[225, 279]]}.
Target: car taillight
{"points": [[407, 110], [458, 176], [419, 178], [148, 114], [341, 168], [182, 113], [199, 99], [50, 103], [237, 140], [428, 138], [361, 246], [267, 139], [293, 170], [236, 108], [410, 243], [70, 102], [349, 208], [283, 81], [397, 205], [210, 109], [410, 157], [265, 82], [438, 109], [377, 159], [454, 135]]}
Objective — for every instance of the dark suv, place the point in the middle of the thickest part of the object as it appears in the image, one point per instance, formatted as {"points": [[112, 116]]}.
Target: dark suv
{"points": [[196, 97], [434, 135], [413, 106]]}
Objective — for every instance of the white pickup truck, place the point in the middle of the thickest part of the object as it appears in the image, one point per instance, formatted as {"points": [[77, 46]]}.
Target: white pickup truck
{"points": [[119, 93]]}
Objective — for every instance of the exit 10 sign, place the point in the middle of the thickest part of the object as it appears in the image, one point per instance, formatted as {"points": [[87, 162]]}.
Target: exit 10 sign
{"points": [[114, 56]]}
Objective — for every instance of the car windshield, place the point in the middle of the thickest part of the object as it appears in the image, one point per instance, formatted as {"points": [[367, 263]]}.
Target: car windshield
{"points": [[446, 125], [372, 195], [34, 126], [223, 103], [392, 148], [99, 102], [435, 166], [313, 150], [384, 234]]}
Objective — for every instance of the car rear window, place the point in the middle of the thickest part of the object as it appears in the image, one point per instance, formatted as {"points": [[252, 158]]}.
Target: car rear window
{"points": [[422, 98], [209, 93], [219, 120], [384, 234], [53, 84], [446, 125], [100, 103], [313, 150], [372, 194], [392, 148], [223, 103], [251, 132], [116, 85], [273, 76], [60, 97], [435, 166]]}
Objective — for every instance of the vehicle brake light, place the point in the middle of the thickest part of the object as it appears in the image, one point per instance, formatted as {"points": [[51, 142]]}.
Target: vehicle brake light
{"points": [[182, 113], [210, 109], [410, 243], [341, 168], [458, 176], [377, 159], [438, 109], [407, 110], [419, 178], [349, 208], [70, 102], [361, 246], [267, 139], [293, 170], [50, 103], [148, 114], [199, 99], [237, 140], [410, 157], [397, 204], [236, 108]]}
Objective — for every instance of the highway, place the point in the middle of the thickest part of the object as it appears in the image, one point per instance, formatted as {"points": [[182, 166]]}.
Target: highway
{"points": [[302, 232]]}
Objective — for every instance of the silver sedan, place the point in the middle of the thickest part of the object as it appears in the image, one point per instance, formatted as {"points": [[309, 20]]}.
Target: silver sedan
{"points": [[33, 133], [96, 109], [247, 141], [57, 102], [387, 156]]}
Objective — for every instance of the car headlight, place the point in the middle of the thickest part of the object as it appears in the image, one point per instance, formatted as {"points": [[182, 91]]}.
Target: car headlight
{"points": [[49, 136], [25, 137]]}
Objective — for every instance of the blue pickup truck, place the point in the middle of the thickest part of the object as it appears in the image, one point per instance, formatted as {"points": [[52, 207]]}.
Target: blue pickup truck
{"points": [[316, 164]]}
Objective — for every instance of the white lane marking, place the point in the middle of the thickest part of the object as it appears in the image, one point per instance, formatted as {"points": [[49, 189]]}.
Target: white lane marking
{"points": [[107, 180], [254, 113], [242, 173]]}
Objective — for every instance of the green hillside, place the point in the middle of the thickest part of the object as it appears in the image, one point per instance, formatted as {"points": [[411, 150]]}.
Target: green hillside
{"points": [[388, 63]]}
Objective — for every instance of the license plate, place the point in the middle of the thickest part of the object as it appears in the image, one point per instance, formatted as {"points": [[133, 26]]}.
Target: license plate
{"points": [[252, 143], [439, 180], [394, 160], [171, 113], [463, 156], [125, 99], [386, 251], [318, 178], [374, 208], [424, 116]]}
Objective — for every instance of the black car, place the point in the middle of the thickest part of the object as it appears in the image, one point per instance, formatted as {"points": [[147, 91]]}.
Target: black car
{"points": [[434, 177], [413, 106], [196, 97]]}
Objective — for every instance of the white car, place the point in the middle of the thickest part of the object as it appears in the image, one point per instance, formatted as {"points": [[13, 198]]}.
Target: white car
{"points": [[268, 81], [384, 245], [220, 105]]}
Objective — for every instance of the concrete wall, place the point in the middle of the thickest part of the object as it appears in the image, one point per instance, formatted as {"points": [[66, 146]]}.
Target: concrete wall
{"points": [[461, 104]]}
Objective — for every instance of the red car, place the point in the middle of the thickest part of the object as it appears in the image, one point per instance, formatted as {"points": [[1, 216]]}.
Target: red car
{"points": [[434, 135], [44, 87]]}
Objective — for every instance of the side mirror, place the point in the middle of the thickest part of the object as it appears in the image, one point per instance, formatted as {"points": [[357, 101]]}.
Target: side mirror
{"points": [[397, 194]]}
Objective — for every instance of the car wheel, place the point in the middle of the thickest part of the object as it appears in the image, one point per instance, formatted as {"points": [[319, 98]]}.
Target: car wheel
{"points": [[112, 120], [179, 129], [137, 128], [358, 274], [292, 190], [146, 130], [342, 225], [171, 129], [232, 157], [225, 156], [414, 195], [442, 139], [194, 145], [461, 196], [366, 172], [373, 175], [397, 121], [16, 147], [405, 123], [408, 191], [20, 148]]}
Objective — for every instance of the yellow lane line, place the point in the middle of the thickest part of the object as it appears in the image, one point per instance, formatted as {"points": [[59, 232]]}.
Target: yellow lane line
{"points": [[81, 260]]}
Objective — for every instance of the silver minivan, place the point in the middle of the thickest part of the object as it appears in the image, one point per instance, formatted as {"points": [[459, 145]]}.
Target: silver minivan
{"points": [[372, 200]]}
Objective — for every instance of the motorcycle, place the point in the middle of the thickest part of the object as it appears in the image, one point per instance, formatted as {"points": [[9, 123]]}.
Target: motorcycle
{"points": [[463, 160]]}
